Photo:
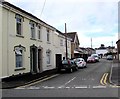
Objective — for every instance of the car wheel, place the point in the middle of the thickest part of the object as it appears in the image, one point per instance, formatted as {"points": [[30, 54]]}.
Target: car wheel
{"points": [[71, 70], [76, 68]]}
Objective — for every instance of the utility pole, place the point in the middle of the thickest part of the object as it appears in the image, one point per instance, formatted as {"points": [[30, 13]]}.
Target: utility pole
{"points": [[66, 41], [91, 46], [112, 48]]}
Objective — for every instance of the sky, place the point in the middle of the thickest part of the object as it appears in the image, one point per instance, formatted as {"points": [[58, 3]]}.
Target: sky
{"points": [[96, 19]]}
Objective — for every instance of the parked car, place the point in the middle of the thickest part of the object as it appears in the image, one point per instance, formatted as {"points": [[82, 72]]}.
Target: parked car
{"points": [[96, 57], [68, 65], [80, 62], [91, 59], [109, 57]]}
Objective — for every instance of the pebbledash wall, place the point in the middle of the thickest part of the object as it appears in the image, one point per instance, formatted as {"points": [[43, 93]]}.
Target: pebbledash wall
{"points": [[12, 43], [0, 39]]}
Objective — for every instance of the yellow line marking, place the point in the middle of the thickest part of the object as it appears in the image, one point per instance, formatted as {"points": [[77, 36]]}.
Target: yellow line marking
{"points": [[101, 81], [105, 79], [115, 86], [39, 81]]}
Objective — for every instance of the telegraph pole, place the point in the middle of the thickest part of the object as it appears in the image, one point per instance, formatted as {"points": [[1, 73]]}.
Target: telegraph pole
{"points": [[66, 41], [91, 46], [112, 48]]}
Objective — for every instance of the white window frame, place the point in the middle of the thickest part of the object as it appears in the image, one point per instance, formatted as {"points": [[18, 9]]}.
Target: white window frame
{"points": [[61, 42], [48, 35], [32, 30], [19, 22], [19, 55], [48, 57], [39, 32]]}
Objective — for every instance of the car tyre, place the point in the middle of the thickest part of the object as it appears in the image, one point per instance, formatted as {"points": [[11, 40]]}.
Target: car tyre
{"points": [[71, 70], [76, 68]]}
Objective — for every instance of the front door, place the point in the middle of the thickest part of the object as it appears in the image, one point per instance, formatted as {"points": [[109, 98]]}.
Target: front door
{"points": [[39, 59], [58, 60], [33, 59]]}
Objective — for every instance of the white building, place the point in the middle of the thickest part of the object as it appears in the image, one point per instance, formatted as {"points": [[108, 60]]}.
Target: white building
{"points": [[101, 51], [27, 44]]}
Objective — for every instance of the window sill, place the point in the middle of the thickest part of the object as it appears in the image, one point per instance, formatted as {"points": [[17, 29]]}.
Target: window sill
{"points": [[48, 43], [19, 36], [18, 69], [39, 40], [49, 65], [33, 39]]}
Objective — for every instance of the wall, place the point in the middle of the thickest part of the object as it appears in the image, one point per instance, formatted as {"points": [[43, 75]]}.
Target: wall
{"points": [[101, 51], [0, 40], [11, 40]]}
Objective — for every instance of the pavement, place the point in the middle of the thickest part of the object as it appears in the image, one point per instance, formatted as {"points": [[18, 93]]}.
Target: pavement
{"points": [[24, 79], [115, 72], [21, 80]]}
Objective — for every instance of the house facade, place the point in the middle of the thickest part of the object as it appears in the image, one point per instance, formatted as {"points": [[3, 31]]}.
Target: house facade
{"points": [[27, 44], [74, 44]]}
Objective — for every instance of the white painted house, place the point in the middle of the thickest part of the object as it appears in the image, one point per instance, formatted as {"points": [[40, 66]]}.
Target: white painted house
{"points": [[27, 44], [101, 51]]}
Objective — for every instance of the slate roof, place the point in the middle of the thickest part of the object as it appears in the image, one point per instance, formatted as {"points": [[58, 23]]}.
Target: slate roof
{"points": [[29, 14], [71, 35]]}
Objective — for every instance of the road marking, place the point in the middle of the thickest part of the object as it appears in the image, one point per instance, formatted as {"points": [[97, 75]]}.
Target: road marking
{"points": [[99, 86], [81, 87], [103, 80], [69, 81], [27, 85], [47, 87], [114, 86]]}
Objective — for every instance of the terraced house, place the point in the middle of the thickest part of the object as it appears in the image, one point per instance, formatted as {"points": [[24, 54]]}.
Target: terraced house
{"points": [[118, 45], [28, 44]]}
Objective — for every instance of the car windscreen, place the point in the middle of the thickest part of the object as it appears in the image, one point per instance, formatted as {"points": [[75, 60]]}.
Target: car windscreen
{"points": [[64, 62]]}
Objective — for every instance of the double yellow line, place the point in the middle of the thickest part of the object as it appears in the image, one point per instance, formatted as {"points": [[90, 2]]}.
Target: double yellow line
{"points": [[37, 81], [103, 80]]}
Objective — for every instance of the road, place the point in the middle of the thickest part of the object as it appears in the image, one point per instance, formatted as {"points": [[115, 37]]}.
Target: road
{"points": [[88, 82]]}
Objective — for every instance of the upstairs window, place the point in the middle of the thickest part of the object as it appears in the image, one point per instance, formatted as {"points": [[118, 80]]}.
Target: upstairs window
{"points": [[32, 28], [39, 32], [19, 24], [48, 36], [61, 42]]}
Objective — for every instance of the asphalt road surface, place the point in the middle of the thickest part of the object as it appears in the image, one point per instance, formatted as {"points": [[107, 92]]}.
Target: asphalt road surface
{"points": [[92, 81]]}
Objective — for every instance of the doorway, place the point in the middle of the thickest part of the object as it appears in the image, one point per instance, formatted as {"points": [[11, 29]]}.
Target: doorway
{"points": [[58, 60], [33, 59], [39, 59]]}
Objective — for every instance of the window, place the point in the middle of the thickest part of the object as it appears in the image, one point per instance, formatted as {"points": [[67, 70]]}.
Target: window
{"points": [[32, 27], [19, 22], [61, 42], [48, 54], [19, 58], [48, 36], [39, 32]]}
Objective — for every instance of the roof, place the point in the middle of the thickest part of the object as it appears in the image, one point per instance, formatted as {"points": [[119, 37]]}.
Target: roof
{"points": [[15, 7], [71, 35], [29, 14]]}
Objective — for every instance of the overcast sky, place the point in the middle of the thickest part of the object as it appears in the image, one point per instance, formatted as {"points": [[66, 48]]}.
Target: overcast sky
{"points": [[90, 19]]}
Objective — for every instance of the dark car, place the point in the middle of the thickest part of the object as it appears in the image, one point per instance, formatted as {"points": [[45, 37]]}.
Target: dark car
{"points": [[68, 65]]}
